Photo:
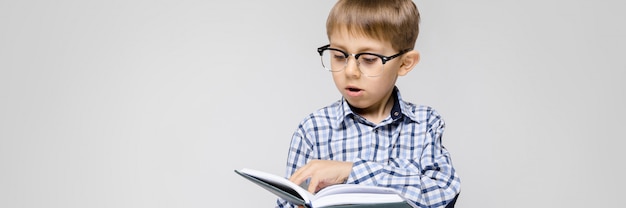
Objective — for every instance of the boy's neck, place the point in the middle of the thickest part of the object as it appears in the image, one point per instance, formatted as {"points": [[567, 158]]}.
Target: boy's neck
{"points": [[378, 112]]}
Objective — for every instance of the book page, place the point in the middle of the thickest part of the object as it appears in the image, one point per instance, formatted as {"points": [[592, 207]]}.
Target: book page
{"points": [[343, 194], [354, 188]]}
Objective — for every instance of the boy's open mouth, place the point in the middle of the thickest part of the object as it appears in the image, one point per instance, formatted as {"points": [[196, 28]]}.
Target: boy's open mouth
{"points": [[351, 89]]}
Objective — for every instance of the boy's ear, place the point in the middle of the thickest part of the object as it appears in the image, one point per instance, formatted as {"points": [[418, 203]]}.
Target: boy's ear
{"points": [[409, 60]]}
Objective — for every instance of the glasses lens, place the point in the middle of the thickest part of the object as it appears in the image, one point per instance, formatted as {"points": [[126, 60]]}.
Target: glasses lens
{"points": [[333, 60], [370, 65]]}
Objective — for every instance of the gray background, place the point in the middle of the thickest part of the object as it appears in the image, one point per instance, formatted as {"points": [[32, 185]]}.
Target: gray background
{"points": [[155, 103]]}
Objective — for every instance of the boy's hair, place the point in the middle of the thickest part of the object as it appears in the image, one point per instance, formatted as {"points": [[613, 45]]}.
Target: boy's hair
{"points": [[394, 21]]}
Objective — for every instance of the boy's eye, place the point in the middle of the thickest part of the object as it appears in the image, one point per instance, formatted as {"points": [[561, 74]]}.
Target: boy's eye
{"points": [[368, 59], [338, 56]]}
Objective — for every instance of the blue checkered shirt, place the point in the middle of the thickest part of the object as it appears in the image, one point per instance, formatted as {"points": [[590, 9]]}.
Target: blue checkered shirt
{"points": [[403, 152]]}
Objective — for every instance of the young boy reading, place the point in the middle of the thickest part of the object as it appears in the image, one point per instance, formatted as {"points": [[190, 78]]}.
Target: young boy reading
{"points": [[372, 136]]}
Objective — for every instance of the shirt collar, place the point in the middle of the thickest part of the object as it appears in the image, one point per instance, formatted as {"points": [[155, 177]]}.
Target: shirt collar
{"points": [[399, 109]]}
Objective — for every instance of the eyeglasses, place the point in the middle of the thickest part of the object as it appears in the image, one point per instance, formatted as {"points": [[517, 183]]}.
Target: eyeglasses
{"points": [[370, 64]]}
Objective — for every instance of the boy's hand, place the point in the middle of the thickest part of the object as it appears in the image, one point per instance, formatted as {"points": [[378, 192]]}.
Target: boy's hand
{"points": [[323, 173]]}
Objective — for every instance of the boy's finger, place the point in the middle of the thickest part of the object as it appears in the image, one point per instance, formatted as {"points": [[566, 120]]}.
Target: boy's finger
{"points": [[313, 185], [299, 176]]}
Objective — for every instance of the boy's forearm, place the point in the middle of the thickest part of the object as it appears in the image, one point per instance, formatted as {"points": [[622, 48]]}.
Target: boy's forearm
{"points": [[419, 186]]}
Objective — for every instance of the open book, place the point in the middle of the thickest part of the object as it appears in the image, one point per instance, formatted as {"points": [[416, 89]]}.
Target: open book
{"points": [[340, 195]]}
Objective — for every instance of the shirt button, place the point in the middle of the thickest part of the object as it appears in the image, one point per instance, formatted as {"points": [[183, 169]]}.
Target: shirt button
{"points": [[396, 113]]}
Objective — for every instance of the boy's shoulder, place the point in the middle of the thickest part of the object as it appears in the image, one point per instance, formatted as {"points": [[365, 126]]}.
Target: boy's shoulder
{"points": [[324, 117], [336, 112], [419, 113]]}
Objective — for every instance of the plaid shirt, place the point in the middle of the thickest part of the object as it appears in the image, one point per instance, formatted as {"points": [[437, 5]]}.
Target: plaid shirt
{"points": [[403, 152]]}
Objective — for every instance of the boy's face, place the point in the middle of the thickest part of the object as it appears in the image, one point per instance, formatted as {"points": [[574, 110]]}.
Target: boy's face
{"points": [[364, 92]]}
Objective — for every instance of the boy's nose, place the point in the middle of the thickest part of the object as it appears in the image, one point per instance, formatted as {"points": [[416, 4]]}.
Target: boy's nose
{"points": [[352, 67]]}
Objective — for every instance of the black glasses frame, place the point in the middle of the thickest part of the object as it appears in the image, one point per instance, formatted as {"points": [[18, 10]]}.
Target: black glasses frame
{"points": [[384, 59]]}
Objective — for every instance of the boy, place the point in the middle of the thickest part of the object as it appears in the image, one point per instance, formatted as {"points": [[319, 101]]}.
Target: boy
{"points": [[371, 136]]}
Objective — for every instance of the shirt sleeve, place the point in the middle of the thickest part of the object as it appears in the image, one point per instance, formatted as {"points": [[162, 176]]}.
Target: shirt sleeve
{"points": [[429, 180], [299, 153]]}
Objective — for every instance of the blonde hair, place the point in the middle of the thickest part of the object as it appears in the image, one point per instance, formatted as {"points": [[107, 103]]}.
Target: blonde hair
{"points": [[394, 21]]}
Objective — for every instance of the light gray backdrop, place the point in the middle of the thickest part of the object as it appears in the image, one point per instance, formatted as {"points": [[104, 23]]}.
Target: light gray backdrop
{"points": [[155, 103]]}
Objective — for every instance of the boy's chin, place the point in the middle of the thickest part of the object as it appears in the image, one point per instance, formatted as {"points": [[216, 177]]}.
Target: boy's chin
{"points": [[356, 103]]}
